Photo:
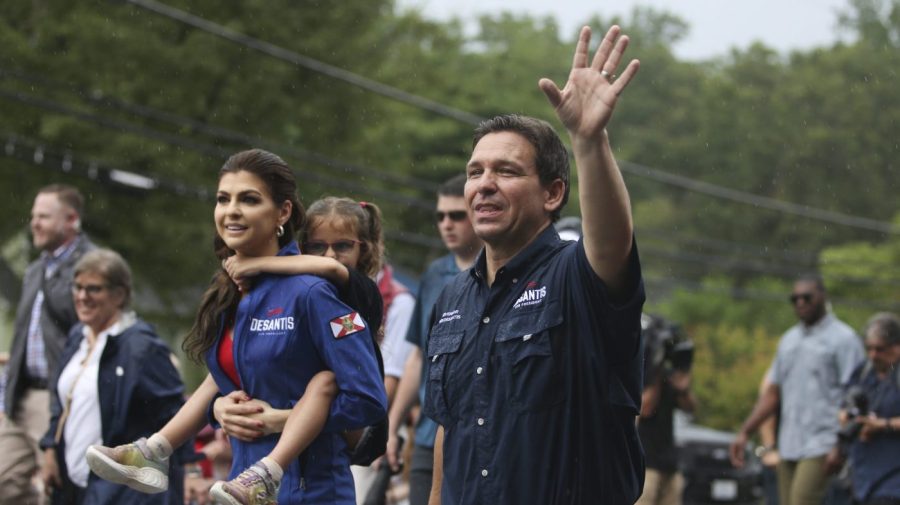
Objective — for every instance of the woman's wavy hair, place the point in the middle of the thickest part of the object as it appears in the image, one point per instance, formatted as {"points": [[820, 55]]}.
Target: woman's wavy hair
{"points": [[361, 219], [222, 296]]}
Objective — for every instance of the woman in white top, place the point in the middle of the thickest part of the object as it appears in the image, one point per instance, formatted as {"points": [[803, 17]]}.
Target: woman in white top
{"points": [[116, 383]]}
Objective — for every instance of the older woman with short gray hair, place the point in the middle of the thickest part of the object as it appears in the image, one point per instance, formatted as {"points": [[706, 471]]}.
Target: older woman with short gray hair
{"points": [[116, 383]]}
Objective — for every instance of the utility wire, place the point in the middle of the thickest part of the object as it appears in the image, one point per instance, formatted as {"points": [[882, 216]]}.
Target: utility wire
{"points": [[759, 201], [758, 294], [804, 257], [113, 124], [67, 162], [97, 97], [306, 62], [465, 117], [427, 104], [801, 259], [215, 151], [778, 270]]}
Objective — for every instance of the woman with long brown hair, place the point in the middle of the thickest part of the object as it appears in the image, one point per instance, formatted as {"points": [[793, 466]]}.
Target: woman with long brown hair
{"points": [[269, 342]]}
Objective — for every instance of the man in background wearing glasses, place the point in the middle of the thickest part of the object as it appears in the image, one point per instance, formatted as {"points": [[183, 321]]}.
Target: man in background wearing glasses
{"points": [[815, 358], [43, 319]]}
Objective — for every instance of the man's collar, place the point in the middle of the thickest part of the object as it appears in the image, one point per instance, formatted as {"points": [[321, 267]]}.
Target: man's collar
{"points": [[63, 250], [821, 323], [545, 241]]}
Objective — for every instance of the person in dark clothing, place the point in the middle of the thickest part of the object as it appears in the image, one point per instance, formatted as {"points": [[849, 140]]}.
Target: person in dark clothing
{"points": [[535, 364], [666, 388], [116, 382], [871, 417]]}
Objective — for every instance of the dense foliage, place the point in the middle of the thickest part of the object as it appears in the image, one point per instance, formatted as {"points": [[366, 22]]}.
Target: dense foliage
{"points": [[90, 86]]}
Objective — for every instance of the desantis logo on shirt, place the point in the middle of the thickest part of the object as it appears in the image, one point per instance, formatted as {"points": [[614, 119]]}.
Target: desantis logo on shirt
{"points": [[531, 296], [272, 323]]}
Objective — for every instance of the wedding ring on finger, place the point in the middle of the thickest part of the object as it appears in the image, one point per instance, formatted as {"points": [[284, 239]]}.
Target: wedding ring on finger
{"points": [[606, 75]]}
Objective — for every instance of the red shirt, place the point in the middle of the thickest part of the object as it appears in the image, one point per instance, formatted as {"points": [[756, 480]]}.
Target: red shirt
{"points": [[226, 356]]}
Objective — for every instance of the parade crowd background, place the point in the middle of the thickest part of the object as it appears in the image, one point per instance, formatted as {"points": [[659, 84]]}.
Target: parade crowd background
{"points": [[743, 170]]}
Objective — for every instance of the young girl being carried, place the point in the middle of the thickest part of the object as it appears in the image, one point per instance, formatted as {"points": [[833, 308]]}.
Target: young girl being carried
{"points": [[342, 242]]}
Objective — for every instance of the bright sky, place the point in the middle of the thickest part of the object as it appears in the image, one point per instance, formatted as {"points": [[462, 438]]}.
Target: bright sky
{"points": [[715, 25]]}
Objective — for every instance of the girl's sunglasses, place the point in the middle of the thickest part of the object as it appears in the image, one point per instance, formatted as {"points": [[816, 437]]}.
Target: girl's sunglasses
{"points": [[319, 247]]}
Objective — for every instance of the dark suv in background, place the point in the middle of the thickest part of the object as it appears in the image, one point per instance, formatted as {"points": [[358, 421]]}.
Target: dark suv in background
{"points": [[709, 476]]}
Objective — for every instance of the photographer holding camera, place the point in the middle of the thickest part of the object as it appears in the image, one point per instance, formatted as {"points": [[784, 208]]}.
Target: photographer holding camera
{"points": [[870, 419], [668, 355]]}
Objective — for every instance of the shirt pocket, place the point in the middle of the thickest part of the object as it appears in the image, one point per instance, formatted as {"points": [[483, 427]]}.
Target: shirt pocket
{"points": [[441, 345], [525, 359]]}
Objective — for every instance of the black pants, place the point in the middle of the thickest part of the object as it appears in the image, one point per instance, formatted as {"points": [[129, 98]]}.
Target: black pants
{"points": [[883, 501], [421, 469], [68, 494]]}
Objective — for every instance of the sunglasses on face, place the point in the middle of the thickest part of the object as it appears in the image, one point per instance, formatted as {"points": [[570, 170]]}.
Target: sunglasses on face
{"points": [[319, 247], [806, 297], [89, 289], [454, 215]]}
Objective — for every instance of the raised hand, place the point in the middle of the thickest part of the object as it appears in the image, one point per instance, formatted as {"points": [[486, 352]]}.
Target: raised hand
{"points": [[585, 105]]}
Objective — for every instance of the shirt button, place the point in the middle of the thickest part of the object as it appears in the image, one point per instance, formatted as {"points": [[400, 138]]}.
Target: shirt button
{"points": [[515, 280], [480, 421], [479, 370], [484, 472], [486, 320]]}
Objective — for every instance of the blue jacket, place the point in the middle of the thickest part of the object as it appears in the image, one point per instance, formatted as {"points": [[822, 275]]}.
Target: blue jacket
{"points": [[139, 391], [286, 330]]}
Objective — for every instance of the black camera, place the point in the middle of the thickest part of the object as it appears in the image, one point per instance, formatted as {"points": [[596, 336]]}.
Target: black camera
{"points": [[666, 347], [856, 403]]}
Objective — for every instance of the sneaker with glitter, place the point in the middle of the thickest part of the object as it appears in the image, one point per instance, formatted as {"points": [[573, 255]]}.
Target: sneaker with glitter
{"points": [[133, 465], [254, 486]]}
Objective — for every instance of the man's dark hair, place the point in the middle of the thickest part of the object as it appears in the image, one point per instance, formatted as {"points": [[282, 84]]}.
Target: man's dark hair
{"points": [[454, 186], [886, 326], [67, 195], [812, 278], [551, 156]]}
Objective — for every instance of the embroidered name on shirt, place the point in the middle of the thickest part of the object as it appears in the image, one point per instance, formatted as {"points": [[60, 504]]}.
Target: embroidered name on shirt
{"points": [[446, 317], [531, 297], [279, 323]]}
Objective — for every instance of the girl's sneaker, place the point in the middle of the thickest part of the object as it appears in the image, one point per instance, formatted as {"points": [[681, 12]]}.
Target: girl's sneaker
{"points": [[254, 486], [133, 465]]}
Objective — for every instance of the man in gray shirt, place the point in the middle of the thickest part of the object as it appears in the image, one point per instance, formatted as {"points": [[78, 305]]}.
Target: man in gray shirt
{"points": [[815, 358]]}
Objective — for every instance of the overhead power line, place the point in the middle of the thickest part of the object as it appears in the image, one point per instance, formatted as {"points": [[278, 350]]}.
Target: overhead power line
{"points": [[465, 117], [307, 62], [759, 294], [730, 264], [98, 97], [66, 161], [215, 151], [737, 248], [759, 201]]}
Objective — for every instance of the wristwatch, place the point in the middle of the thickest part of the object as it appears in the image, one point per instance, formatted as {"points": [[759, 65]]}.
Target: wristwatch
{"points": [[762, 450]]}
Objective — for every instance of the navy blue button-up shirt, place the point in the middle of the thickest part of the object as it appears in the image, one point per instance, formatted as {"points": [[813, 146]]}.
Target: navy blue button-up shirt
{"points": [[537, 382], [439, 274]]}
